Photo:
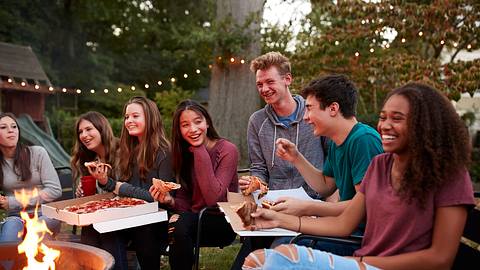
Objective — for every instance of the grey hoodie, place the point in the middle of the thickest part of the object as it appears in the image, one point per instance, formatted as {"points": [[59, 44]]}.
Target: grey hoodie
{"points": [[264, 129]]}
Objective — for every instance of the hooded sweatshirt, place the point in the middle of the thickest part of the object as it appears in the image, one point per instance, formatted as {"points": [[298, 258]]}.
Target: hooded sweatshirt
{"points": [[264, 128]]}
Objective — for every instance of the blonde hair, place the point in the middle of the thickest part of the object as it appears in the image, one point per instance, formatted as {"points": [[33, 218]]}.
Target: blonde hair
{"points": [[270, 59]]}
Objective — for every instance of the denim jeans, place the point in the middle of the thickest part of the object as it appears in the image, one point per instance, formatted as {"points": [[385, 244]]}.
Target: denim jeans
{"points": [[335, 248], [308, 259], [14, 224]]}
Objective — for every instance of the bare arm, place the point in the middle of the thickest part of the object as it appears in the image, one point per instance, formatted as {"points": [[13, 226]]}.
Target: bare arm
{"points": [[314, 177], [448, 228]]}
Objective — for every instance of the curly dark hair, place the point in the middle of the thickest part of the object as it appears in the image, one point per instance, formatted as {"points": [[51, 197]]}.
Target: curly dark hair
{"points": [[334, 88], [438, 141]]}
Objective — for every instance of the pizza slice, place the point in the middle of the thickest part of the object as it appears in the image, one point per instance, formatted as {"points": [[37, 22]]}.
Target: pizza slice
{"points": [[267, 204], [95, 164], [256, 184], [244, 212], [165, 186]]}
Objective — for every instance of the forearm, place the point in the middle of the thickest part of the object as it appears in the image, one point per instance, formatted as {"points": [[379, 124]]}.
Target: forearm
{"points": [[313, 176], [328, 226], [423, 259], [322, 209]]}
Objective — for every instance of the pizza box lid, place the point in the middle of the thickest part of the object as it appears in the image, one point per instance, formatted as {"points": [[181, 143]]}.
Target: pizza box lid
{"points": [[129, 222], [228, 208], [55, 210]]}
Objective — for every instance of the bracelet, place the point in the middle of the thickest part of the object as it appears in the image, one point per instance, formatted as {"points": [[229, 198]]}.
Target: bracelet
{"points": [[299, 223]]}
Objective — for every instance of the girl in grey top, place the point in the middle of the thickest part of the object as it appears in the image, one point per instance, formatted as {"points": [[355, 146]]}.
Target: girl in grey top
{"points": [[26, 167]]}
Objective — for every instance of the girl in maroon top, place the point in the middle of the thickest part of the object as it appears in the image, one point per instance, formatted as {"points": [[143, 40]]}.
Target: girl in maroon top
{"points": [[206, 167], [414, 197]]}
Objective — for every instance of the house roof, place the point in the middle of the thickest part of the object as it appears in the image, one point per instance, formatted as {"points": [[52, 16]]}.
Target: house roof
{"points": [[20, 62]]}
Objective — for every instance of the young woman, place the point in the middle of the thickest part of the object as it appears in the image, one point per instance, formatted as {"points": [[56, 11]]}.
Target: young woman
{"points": [[144, 154], [23, 167], [422, 178], [95, 141], [206, 166]]}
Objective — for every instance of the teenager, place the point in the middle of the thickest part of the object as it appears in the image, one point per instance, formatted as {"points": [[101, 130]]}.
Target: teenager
{"points": [[23, 167], [206, 167], [422, 179], [282, 117], [144, 154]]}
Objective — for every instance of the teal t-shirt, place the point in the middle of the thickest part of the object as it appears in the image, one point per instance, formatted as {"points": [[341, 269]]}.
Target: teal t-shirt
{"points": [[348, 162]]}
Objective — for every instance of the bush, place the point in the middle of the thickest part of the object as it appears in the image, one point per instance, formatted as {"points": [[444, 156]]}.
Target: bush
{"points": [[167, 102]]}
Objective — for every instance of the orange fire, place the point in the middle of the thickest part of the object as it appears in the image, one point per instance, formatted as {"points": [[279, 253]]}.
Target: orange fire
{"points": [[32, 244]]}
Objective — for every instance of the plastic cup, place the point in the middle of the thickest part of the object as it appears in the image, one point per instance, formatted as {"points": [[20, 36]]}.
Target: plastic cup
{"points": [[89, 185]]}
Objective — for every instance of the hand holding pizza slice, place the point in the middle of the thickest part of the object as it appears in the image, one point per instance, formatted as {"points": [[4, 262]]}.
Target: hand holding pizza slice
{"points": [[160, 190], [99, 170], [255, 184]]}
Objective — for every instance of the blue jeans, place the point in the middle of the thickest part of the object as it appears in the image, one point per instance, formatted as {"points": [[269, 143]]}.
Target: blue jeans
{"points": [[14, 224], [308, 259]]}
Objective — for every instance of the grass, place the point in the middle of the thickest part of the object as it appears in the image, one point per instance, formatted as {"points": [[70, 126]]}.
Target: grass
{"points": [[212, 258]]}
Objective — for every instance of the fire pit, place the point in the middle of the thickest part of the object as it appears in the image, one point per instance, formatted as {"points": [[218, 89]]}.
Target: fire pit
{"points": [[73, 256]]}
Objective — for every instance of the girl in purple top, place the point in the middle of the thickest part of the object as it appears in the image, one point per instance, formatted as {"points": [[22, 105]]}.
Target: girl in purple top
{"points": [[206, 167], [414, 197]]}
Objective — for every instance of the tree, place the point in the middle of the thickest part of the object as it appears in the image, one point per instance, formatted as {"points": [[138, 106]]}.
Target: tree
{"points": [[233, 97], [348, 37]]}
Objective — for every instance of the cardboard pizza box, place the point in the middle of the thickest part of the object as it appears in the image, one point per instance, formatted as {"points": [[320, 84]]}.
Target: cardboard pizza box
{"points": [[229, 207], [56, 210]]}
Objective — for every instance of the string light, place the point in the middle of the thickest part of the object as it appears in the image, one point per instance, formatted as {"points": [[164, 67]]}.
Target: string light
{"points": [[9, 80], [119, 89], [185, 75], [160, 82], [105, 90], [337, 42], [92, 91], [37, 86], [455, 44], [420, 33], [23, 83], [50, 89], [357, 54], [79, 91], [242, 61], [372, 50], [442, 41], [147, 86], [403, 40], [133, 88], [197, 71], [173, 80], [469, 46], [232, 60], [64, 90]]}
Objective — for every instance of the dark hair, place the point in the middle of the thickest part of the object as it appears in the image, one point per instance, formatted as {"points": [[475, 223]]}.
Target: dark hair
{"points": [[81, 154], [438, 141], [144, 153], [21, 159], [334, 88], [182, 158]]}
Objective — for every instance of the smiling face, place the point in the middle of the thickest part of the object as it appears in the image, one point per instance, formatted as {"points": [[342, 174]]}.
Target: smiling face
{"points": [[316, 116], [193, 127], [135, 120], [89, 135], [392, 124], [8, 132], [272, 86]]}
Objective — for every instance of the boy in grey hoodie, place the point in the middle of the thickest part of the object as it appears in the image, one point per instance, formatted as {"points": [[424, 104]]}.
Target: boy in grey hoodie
{"points": [[282, 117]]}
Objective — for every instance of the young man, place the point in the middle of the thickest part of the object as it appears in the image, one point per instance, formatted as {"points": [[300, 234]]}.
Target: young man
{"points": [[282, 117], [331, 103]]}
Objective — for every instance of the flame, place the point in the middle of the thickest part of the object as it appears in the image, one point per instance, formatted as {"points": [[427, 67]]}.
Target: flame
{"points": [[32, 244]]}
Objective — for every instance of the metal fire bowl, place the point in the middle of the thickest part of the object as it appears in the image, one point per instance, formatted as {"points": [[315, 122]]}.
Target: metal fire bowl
{"points": [[73, 256]]}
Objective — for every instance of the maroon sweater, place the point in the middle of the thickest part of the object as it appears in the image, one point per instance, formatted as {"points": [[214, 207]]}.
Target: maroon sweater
{"points": [[214, 174]]}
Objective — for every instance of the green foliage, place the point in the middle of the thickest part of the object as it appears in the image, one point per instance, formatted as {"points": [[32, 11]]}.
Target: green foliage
{"points": [[334, 32], [167, 102], [475, 167]]}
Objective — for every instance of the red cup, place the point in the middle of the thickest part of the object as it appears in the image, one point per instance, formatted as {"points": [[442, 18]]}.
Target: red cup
{"points": [[89, 185]]}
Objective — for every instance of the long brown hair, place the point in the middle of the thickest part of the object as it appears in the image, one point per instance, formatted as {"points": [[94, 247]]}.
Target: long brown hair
{"points": [[81, 154], [438, 141], [144, 153], [182, 158], [21, 159]]}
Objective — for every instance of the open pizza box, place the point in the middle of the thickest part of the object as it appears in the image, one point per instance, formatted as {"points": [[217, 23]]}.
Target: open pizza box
{"points": [[105, 220], [234, 200]]}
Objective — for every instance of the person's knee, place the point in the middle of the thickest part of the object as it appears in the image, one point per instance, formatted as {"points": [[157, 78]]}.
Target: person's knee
{"points": [[12, 229], [254, 260], [289, 251]]}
